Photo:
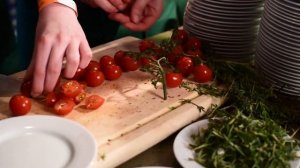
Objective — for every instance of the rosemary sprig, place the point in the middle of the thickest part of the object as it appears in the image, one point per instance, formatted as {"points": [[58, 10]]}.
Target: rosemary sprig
{"points": [[244, 141]]}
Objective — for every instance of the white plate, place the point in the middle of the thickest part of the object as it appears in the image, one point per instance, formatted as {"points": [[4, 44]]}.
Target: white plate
{"points": [[45, 141], [184, 154]]}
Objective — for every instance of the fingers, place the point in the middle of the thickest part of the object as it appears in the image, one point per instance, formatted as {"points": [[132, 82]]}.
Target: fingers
{"points": [[106, 6], [85, 54], [119, 4], [73, 59], [119, 17], [137, 10], [41, 54], [54, 65]]}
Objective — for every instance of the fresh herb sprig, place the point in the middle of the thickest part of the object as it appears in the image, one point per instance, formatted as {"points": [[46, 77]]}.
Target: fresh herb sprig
{"points": [[244, 141]]}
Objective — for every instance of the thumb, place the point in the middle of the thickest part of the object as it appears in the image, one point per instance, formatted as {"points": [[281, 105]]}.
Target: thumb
{"points": [[137, 10]]}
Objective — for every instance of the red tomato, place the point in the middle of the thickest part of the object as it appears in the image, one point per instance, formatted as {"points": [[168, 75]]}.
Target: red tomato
{"points": [[112, 72], [106, 60], [93, 66], [146, 44], [63, 106], [79, 74], [173, 79], [118, 57], [80, 97], [129, 63], [94, 78], [185, 65], [193, 43], [19, 105], [202, 73], [180, 36], [93, 102], [173, 56], [51, 99], [26, 88], [71, 88]]}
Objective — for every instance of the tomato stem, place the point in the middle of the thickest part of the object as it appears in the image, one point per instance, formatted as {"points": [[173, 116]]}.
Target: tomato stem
{"points": [[163, 77]]}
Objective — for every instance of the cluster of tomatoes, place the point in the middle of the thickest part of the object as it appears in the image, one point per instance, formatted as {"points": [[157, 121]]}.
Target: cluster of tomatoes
{"points": [[182, 54]]}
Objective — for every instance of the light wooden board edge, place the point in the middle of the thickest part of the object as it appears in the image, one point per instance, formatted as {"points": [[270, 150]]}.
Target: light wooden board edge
{"points": [[143, 137]]}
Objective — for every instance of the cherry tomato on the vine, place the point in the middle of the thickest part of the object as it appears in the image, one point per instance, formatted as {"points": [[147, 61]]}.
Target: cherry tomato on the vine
{"points": [[129, 63], [94, 78], [106, 60], [118, 57], [180, 36], [173, 79], [193, 43], [93, 66], [93, 102], [112, 72], [202, 73], [175, 53], [146, 44], [19, 105], [64, 106], [185, 65]]}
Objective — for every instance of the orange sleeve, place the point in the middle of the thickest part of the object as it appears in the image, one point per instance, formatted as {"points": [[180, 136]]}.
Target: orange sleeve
{"points": [[69, 3]]}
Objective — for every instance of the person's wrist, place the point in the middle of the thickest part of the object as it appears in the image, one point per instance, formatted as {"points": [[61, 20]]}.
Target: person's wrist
{"points": [[69, 3]]}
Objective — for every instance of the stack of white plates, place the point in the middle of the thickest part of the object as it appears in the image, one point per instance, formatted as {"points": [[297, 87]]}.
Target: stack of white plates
{"points": [[229, 27], [278, 48]]}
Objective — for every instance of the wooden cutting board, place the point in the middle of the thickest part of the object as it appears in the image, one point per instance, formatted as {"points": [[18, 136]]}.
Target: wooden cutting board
{"points": [[134, 116]]}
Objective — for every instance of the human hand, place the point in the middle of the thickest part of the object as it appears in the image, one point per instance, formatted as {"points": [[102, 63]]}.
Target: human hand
{"points": [[142, 14], [58, 35], [110, 6]]}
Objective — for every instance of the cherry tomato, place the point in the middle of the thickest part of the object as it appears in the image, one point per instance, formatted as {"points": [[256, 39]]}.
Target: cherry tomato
{"points": [[80, 97], [71, 88], [93, 102], [129, 63], [146, 44], [202, 73], [63, 106], [94, 78], [175, 53], [19, 105], [112, 72], [180, 36], [173, 79], [93, 66], [51, 99], [193, 43], [185, 65], [26, 88], [79, 74], [118, 57], [106, 60]]}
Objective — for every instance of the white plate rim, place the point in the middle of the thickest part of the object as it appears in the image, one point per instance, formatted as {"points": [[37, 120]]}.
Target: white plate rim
{"points": [[183, 154], [83, 143]]}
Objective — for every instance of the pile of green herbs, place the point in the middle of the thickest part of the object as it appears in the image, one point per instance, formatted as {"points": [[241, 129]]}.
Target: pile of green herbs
{"points": [[250, 129]]}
